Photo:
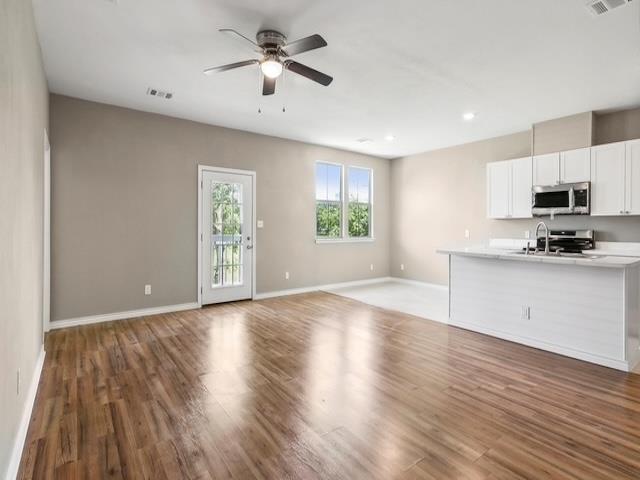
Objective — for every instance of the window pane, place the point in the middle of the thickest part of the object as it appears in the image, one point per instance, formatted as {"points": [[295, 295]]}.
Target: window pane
{"points": [[334, 183], [327, 220], [358, 219], [321, 181], [359, 179], [227, 275], [328, 182], [226, 255]]}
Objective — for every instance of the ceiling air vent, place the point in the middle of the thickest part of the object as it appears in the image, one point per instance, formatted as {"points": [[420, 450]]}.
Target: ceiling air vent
{"points": [[154, 92], [364, 140], [600, 7]]}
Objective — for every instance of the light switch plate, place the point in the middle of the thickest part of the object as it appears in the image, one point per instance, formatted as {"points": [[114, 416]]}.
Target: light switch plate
{"points": [[147, 289], [260, 224]]}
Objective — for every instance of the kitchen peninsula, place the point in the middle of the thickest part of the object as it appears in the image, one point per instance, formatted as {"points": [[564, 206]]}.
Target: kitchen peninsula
{"points": [[585, 307]]}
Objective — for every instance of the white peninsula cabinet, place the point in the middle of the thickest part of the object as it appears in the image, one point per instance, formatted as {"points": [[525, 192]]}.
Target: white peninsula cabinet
{"points": [[585, 308], [509, 188], [615, 179]]}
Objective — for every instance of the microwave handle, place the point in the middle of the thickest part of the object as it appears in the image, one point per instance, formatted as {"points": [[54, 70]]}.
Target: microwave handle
{"points": [[572, 199]]}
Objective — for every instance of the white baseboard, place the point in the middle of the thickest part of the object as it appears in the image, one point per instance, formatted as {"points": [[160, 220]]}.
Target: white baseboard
{"points": [[108, 317], [419, 284], [23, 427], [316, 288]]}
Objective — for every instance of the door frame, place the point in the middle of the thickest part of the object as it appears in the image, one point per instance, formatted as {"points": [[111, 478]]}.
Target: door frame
{"points": [[46, 236], [199, 238]]}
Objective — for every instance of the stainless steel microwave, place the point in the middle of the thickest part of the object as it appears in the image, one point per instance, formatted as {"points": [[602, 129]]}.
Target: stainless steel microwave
{"points": [[562, 199]]}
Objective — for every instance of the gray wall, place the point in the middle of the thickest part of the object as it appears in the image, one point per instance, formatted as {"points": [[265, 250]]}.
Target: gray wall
{"points": [[567, 133], [124, 208], [618, 126], [23, 118], [439, 194]]}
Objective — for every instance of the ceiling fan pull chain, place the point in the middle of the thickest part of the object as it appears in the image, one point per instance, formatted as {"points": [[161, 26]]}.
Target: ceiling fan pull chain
{"points": [[284, 90]]}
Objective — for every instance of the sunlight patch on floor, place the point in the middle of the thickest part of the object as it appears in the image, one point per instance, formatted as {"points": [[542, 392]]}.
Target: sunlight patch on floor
{"points": [[420, 300]]}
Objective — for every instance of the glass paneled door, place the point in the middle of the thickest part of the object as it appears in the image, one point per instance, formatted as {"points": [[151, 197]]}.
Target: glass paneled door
{"points": [[227, 236]]}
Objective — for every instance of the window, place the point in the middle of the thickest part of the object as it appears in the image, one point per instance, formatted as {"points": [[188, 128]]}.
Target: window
{"points": [[359, 202], [335, 203], [328, 200]]}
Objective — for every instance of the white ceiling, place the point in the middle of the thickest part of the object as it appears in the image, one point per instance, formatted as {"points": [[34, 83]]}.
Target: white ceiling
{"points": [[406, 67]]}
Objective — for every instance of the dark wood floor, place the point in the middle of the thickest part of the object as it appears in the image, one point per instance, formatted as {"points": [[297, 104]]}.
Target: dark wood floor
{"points": [[320, 386]]}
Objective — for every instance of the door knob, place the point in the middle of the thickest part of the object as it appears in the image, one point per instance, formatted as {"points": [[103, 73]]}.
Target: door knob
{"points": [[249, 247]]}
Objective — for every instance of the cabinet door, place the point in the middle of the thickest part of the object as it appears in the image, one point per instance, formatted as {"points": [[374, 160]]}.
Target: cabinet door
{"points": [[575, 166], [608, 179], [521, 175], [632, 178], [546, 169], [498, 189]]}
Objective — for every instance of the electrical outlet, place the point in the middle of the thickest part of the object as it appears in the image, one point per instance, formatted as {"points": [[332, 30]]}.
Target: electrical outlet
{"points": [[18, 383], [371, 267], [402, 266], [467, 234], [260, 224], [147, 289], [286, 275], [525, 313]]}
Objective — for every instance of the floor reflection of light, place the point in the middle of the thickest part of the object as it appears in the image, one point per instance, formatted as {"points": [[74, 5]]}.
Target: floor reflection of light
{"points": [[340, 375], [230, 354]]}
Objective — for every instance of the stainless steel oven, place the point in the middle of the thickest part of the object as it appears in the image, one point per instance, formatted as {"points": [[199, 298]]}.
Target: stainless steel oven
{"points": [[562, 199]]}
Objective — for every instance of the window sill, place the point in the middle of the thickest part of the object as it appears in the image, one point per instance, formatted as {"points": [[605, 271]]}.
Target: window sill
{"points": [[345, 240]]}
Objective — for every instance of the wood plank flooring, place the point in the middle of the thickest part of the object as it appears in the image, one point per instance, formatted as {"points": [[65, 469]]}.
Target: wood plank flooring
{"points": [[318, 386]]}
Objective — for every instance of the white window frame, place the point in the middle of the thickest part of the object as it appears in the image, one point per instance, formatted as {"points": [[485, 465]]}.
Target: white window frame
{"points": [[344, 194]]}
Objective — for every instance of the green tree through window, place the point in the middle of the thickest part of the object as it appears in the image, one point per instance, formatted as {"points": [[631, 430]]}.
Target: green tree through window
{"points": [[330, 201], [359, 202]]}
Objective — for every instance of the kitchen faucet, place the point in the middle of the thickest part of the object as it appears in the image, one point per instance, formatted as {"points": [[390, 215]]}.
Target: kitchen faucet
{"points": [[546, 236]]}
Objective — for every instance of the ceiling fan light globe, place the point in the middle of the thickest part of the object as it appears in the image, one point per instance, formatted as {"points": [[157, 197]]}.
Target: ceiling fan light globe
{"points": [[271, 68]]}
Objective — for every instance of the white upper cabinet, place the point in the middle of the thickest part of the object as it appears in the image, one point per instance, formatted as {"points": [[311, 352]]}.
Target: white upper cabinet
{"points": [[608, 179], [546, 169], [632, 178], [613, 169], [562, 167], [498, 189], [521, 175], [575, 166], [509, 189]]}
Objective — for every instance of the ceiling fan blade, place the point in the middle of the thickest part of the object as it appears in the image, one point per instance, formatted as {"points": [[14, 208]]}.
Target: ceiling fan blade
{"points": [[239, 35], [304, 45], [309, 72], [230, 66], [268, 86]]}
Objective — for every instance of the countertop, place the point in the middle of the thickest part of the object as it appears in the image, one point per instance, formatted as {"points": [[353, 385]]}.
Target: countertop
{"points": [[483, 251]]}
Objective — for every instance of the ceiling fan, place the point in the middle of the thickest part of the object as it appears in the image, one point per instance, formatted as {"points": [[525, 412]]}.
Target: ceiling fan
{"points": [[276, 53]]}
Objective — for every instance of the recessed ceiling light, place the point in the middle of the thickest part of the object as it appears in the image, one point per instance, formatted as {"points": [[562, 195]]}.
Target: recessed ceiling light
{"points": [[468, 116], [389, 138]]}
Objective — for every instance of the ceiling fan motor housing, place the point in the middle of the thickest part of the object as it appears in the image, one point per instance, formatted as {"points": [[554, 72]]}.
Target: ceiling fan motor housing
{"points": [[270, 39]]}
